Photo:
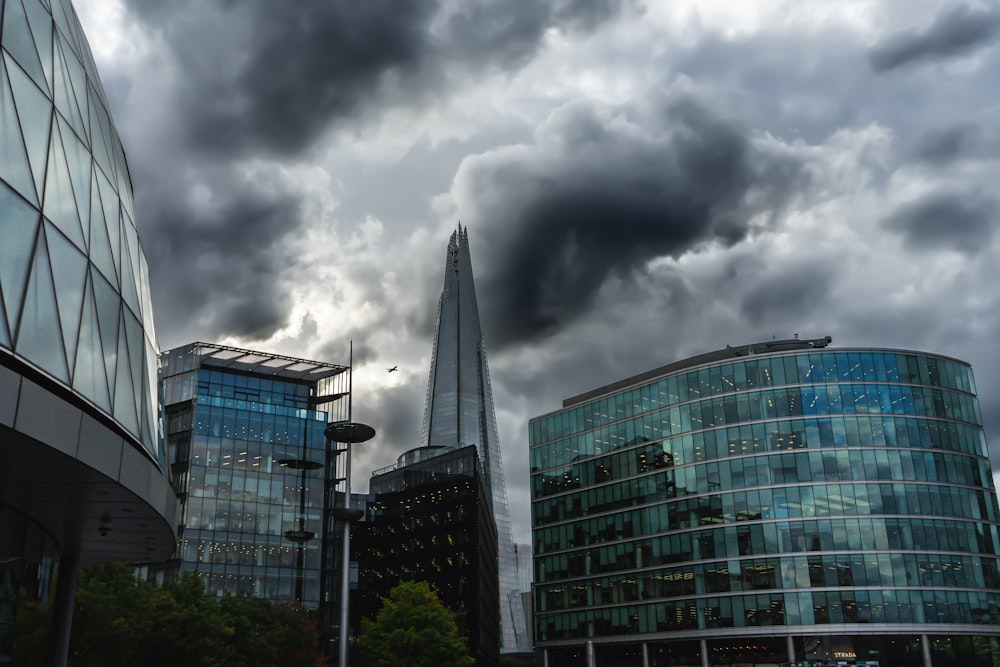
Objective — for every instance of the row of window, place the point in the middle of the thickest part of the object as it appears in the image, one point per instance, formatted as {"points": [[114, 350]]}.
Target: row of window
{"points": [[264, 425], [251, 456], [268, 390], [777, 502], [756, 372], [283, 487], [788, 537], [841, 464], [804, 608], [758, 574], [248, 518], [220, 549], [280, 585], [897, 650], [863, 500], [739, 409]]}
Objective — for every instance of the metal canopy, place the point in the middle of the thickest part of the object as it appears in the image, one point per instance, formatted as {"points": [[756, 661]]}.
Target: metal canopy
{"points": [[250, 361]]}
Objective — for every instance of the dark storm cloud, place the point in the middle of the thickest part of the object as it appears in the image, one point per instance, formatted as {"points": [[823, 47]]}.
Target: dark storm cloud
{"points": [[963, 221], [264, 75], [599, 197], [488, 31], [217, 269], [251, 79], [954, 32]]}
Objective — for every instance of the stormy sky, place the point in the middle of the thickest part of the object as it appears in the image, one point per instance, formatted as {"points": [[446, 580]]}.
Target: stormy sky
{"points": [[642, 181]]}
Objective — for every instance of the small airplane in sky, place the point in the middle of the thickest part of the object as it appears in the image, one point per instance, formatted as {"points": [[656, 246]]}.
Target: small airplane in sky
{"points": [[392, 370]]}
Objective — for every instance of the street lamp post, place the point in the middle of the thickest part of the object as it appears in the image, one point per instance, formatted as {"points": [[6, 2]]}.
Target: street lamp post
{"points": [[348, 433]]}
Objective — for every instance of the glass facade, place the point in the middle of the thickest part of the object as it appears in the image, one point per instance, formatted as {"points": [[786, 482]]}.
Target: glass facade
{"points": [[248, 458], [78, 410], [459, 412], [74, 287], [769, 494], [432, 520]]}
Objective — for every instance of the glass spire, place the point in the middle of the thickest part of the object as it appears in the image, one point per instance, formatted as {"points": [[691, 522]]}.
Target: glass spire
{"points": [[459, 411]]}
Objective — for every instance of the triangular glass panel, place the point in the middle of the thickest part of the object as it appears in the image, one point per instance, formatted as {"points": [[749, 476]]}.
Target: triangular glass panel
{"points": [[34, 110], [146, 298], [124, 387], [136, 348], [62, 16], [100, 246], [69, 271], [97, 144], [47, 5], [112, 219], [38, 336], [124, 181], [89, 375], [149, 402], [78, 160], [108, 309], [129, 285], [14, 166], [102, 143], [18, 42], [79, 84], [60, 205], [41, 29], [17, 238], [64, 97]]}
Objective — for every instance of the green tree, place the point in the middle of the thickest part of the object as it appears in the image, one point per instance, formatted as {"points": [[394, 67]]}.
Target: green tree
{"points": [[270, 634], [414, 628], [120, 621]]}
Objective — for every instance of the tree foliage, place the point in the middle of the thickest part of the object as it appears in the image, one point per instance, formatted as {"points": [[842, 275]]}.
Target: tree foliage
{"points": [[414, 628], [121, 620]]}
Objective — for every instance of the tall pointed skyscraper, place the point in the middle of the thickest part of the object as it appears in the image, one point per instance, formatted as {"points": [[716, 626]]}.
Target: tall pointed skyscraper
{"points": [[459, 411]]}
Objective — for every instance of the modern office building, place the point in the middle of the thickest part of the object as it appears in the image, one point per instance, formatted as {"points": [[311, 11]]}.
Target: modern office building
{"points": [[430, 519], [81, 480], [459, 411], [774, 503], [253, 471]]}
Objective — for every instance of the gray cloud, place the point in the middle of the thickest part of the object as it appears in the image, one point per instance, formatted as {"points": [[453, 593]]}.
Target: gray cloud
{"points": [[795, 291], [964, 140], [256, 76], [395, 413], [219, 266], [954, 32], [963, 221], [241, 81], [598, 197]]}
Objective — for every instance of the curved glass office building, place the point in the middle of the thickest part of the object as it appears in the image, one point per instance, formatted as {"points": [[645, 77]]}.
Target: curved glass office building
{"points": [[82, 478], [770, 504]]}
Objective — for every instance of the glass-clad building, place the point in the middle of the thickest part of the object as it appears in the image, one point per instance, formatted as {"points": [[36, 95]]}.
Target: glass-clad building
{"points": [[429, 518], [250, 462], [459, 411], [782, 502], [77, 345]]}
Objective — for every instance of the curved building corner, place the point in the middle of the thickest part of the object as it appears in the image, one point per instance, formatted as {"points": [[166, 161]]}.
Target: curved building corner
{"points": [[81, 480], [777, 503]]}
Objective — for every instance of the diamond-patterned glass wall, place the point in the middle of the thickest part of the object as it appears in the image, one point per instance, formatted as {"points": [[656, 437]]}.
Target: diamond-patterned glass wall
{"points": [[74, 292]]}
